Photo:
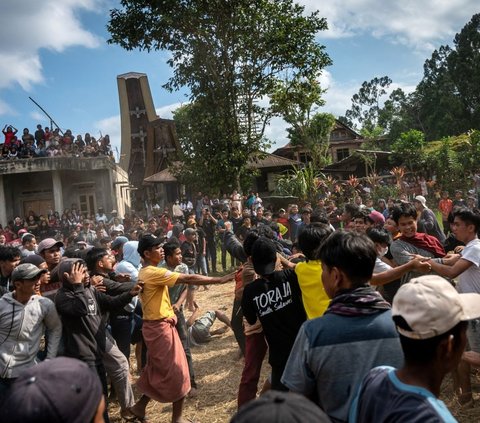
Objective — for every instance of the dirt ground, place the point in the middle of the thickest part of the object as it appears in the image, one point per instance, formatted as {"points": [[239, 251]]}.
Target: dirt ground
{"points": [[218, 369]]}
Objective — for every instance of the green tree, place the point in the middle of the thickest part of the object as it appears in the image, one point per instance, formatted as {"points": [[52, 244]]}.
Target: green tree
{"points": [[231, 56], [439, 104], [297, 102], [464, 68], [408, 149], [449, 93], [366, 104]]}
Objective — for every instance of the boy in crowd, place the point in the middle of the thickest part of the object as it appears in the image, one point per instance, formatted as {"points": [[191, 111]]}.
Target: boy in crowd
{"points": [[348, 214], [333, 353], [29, 244], [24, 318], [385, 275], [82, 309], [276, 300], [9, 259], [178, 296], [117, 347], [427, 221], [199, 325], [309, 273], [360, 222], [412, 242], [165, 377], [431, 318], [466, 224]]}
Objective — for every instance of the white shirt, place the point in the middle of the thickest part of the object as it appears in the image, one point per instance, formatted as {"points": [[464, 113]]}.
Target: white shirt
{"points": [[469, 281]]}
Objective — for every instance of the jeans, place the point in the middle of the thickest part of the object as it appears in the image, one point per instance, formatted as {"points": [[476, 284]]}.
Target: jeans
{"points": [[181, 327], [121, 328], [99, 369], [116, 366], [202, 265], [255, 350]]}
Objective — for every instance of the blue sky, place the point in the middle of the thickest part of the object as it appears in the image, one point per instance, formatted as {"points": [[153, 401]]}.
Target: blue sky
{"points": [[57, 54]]}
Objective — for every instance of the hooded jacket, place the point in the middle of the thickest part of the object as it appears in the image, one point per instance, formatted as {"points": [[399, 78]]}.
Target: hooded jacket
{"points": [[131, 260], [82, 309], [21, 328]]}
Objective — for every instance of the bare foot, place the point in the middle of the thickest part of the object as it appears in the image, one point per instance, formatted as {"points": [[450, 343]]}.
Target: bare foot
{"points": [[472, 358]]}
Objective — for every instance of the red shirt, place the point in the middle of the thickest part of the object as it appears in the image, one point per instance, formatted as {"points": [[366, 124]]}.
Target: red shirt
{"points": [[445, 207]]}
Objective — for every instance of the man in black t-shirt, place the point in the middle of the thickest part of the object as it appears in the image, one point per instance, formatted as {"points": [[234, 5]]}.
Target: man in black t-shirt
{"points": [[276, 299]]}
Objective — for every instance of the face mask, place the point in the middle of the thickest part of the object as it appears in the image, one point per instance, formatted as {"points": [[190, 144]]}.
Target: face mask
{"points": [[382, 251]]}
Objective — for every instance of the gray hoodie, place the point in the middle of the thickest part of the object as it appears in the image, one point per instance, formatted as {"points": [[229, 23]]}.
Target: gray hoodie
{"points": [[21, 328]]}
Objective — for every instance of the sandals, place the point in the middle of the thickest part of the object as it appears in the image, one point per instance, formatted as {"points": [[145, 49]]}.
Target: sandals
{"points": [[132, 417]]}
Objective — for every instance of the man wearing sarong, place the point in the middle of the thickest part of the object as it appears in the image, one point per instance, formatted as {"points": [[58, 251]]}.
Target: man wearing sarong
{"points": [[165, 377]]}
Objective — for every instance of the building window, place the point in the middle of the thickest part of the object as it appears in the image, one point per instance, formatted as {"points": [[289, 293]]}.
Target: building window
{"points": [[304, 157], [342, 153]]}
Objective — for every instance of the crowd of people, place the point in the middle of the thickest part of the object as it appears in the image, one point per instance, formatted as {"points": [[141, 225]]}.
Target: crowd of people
{"points": [[51, 143], [362, 310]]}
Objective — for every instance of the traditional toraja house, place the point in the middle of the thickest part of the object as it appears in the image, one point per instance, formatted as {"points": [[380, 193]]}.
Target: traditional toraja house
{"points": [[268, 167], [361, 164], [343, 142], [147, 140]]}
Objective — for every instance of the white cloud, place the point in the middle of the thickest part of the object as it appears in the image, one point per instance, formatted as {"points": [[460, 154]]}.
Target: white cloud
{"points": [[28, 26], [166, 112], [39, 117], [419, 24], [111, 126], [5, 108]]}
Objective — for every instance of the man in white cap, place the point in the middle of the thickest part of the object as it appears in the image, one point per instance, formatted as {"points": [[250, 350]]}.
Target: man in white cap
{"points": [[427, 222], [24, 317], [431, 319]]}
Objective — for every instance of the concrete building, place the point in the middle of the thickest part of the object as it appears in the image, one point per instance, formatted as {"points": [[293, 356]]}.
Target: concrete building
{"points": [[55, 183]]}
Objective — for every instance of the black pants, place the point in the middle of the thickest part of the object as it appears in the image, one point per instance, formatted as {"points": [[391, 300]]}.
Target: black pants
{"points": [[237, 324], [277, 372], [212, 254], [224, 257]]}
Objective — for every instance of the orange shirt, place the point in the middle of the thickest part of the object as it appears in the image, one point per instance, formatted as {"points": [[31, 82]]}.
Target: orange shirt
{"points": [[445, 207]]}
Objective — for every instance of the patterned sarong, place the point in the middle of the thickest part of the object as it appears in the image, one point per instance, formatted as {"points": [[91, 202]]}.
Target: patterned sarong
{"points": [[165, 378]]}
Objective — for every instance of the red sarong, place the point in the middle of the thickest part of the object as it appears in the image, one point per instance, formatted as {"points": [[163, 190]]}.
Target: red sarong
{"points": [[165, 378]]}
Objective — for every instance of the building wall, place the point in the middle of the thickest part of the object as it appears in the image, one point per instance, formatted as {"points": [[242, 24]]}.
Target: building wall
{"points": [[101, 184]]}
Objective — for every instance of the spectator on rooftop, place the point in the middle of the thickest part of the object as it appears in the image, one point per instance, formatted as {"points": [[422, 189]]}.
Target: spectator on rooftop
{"points": [[40, 136], [67, 138], [79, 142], [27, 137], [48, 135], [9, 132], [13, 153]]}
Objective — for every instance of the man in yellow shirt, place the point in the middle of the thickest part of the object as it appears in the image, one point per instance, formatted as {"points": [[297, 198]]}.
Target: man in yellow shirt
{"points": [[309, 273], [165, 378]]}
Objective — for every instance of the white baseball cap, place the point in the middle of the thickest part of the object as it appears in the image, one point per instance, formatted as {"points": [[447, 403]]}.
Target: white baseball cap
{"points": [[421, 199], [432, 306]]}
